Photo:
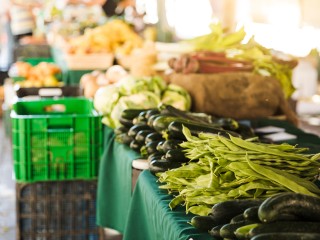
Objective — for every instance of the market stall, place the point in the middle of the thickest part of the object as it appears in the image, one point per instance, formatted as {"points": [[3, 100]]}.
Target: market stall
{"points": [[134, 209]]}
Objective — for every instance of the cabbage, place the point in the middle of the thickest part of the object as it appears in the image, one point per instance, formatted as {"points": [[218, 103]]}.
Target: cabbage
{"points": [[137, 93], [177, 96], [105, 98]]}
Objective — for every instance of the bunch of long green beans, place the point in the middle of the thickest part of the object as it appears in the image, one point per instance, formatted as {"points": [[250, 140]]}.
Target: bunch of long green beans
{"points": [[223, 168]]}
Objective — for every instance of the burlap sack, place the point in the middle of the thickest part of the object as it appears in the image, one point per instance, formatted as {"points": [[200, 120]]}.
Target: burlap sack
{"points": [[237, 95]]}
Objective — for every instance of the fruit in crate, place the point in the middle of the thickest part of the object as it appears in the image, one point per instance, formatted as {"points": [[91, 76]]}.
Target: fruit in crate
{"points": [[112, 37], [43, 74]]}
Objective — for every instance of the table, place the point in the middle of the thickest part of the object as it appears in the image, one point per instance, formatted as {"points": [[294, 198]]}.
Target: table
{"points": [[119, 210], [150, 213], [114, 183]]}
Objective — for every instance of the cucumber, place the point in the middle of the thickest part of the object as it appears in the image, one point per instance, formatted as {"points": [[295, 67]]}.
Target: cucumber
{"points": [[242, 233], [154, 136], [153, 117], [162, 165], [130, 114], [126, 122], [287, 236], [155, 156], [237, 218], [225, 211], [135, 145], [151, 147], [162, 122], [197, 117], [245, 131], [251, 213], [176, 155], [285, 227], [151, 112], [215, 231], [170, 144], [141, 135], [175, 130], [301, 205], [203, 223], [228, 230], [227, 123], [159, 147], [141, 118], [124, 138], [136, 128], [121, 129]]}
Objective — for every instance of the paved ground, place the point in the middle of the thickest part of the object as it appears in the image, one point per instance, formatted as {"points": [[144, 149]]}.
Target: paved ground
{"points": [[7, 189]]}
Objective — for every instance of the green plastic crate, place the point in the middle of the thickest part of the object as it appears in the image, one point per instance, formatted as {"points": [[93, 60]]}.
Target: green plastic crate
{"points": [[36, 60], [56, 139]]}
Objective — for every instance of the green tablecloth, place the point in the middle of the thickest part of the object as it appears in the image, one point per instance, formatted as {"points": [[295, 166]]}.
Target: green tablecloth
{"points": [[151, 218], [114, 183]]}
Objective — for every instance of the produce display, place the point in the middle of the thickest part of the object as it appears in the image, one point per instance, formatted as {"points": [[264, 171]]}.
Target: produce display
{"points": [[223, 168], [44, 74], [137, 93], [282, 216], [115, 36], [157, 133], [221, 51]]}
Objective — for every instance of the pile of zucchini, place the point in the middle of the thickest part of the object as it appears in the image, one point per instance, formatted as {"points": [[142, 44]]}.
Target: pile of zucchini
{"points": [[157, 133], [285, 216]]}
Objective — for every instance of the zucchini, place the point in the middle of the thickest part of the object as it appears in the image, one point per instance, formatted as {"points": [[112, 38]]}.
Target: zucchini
{"points": [[123, 138], [228, 230], [237, 218], [242, 233], [141, 118], [169, 144], [301, 205], [203, 223], [154, 136], [251, 213], [141, 135], [227, 123], [162, 122], [176, 155], [126, 122], [136, 128], [159, 147], [155, 156], [285, 227], [130, 114], [151, 147], [121, 129], [153, 117], [225, 211], [287, 236], [196, 117], [151, 112], [215, 231], [175, 130], [135, 145], [162, 165], [245, 131]]}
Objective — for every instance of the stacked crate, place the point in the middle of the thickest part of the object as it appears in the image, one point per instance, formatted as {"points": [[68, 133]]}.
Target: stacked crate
{"points": [[57, 145]]}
